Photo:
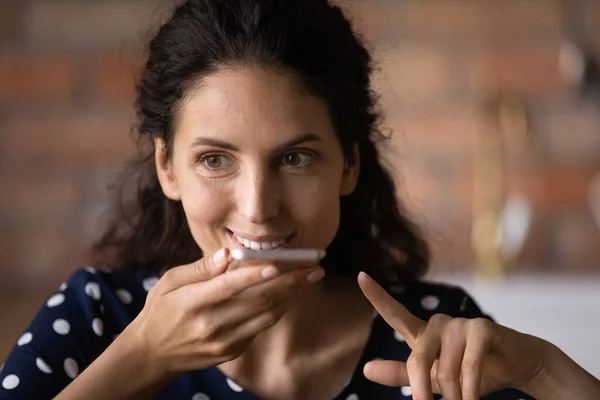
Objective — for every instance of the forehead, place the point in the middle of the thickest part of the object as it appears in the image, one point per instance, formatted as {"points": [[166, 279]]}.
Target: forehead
{"points": [[231, 101]]}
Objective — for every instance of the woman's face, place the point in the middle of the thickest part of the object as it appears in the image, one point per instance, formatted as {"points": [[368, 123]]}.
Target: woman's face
{"points": [[256, 163]]}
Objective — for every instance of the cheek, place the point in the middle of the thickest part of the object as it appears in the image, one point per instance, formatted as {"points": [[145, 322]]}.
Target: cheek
{"points": [[205, 205], [316, 209]]}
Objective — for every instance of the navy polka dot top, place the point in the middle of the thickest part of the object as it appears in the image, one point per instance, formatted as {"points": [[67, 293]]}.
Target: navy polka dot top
{"points": [[79, 321]]}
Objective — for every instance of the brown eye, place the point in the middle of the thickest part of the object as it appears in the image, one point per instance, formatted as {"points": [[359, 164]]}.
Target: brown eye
{"points": [[297, 160], [292, 159], [214, 161]]}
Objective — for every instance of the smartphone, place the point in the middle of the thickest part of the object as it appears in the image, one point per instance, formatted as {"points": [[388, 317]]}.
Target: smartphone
{"points": [[283, 255], [295, 258]]}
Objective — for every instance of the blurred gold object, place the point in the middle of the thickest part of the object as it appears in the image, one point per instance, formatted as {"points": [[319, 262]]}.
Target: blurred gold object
{"points": [[500, 226]]}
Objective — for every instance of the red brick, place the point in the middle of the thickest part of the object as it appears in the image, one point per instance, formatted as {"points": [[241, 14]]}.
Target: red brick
{"points": [[37, 196], [473, 20], [451, 248], [116, 76], [426, 188], [522, 72], [367, 16], [445, 131], [577, 240], [534, 256], [413, 74], [555, 189], [40, 258], [7, 20], [36, 78], [571, 136], [549, 189], [592, 20], [70, 140], [92, 24]]}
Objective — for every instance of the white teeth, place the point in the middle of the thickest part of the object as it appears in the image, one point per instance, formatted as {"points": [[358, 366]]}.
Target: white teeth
{"points": [[260, 245]]}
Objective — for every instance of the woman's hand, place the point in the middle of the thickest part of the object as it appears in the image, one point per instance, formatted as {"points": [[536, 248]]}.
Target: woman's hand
{"points": [[199, 316], [456, 357]]}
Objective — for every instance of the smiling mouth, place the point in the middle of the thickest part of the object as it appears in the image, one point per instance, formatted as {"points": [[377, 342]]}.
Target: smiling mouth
{"points": [[259, 245]]}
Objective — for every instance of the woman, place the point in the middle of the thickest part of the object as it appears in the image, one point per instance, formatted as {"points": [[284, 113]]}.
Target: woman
{"points": [[258, 130]]}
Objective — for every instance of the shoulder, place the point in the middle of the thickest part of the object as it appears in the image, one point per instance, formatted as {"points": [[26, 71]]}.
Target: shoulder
{"points": [[426, 298], [72, 328], [115, 294]]}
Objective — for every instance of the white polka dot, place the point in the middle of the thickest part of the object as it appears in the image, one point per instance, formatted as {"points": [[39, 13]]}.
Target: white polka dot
{"points": [[10, 382], [430, 302], [63, 286], [92, 289], [352, 397], [149, 283], [56, 300], [406, 391], [26, 338], [98, 326], [41, 364], [71, 368], [399, 337], [61, 327], [124, 296], [234, 386], [90, 269], [200, 396]]}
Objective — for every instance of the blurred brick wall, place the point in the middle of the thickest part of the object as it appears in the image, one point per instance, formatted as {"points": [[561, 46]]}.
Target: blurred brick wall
{"points": [[66, 72]]}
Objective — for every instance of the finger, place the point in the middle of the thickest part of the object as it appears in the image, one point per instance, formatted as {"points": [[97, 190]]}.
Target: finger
{"points": [[479, 339], [420, 361], [388, 373], [259, 299], [283, 266], [451, 356], [199, 271], [224, 287], [394, 313]]}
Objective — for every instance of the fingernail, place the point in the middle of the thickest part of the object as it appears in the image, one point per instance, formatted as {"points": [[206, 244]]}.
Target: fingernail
{"points": [[316, 276], [219, 258], [269, 272]]}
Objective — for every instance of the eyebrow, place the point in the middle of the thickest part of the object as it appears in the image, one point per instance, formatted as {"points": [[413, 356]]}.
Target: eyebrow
{"points": [[205, 141]]}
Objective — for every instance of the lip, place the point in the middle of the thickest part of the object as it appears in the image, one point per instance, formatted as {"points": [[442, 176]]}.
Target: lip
{"points": [[256, 238]]}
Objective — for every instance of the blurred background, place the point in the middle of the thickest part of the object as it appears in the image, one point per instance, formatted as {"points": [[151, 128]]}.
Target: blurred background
{"points": [[494, 117]]}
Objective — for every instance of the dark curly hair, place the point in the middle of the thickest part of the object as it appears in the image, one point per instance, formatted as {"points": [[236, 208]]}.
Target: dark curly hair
{"points": [[312, 40]]}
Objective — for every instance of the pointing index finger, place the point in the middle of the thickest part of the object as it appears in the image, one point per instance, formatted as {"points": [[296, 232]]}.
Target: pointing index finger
{"points": [[394, 313]]}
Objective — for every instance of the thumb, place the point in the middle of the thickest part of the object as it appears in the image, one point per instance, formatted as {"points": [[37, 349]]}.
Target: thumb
{"points": [[199, 271], [395, 373], [386, 372]]}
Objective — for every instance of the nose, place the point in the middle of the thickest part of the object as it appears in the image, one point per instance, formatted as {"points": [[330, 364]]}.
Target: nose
{"points": [[258, 196]]}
